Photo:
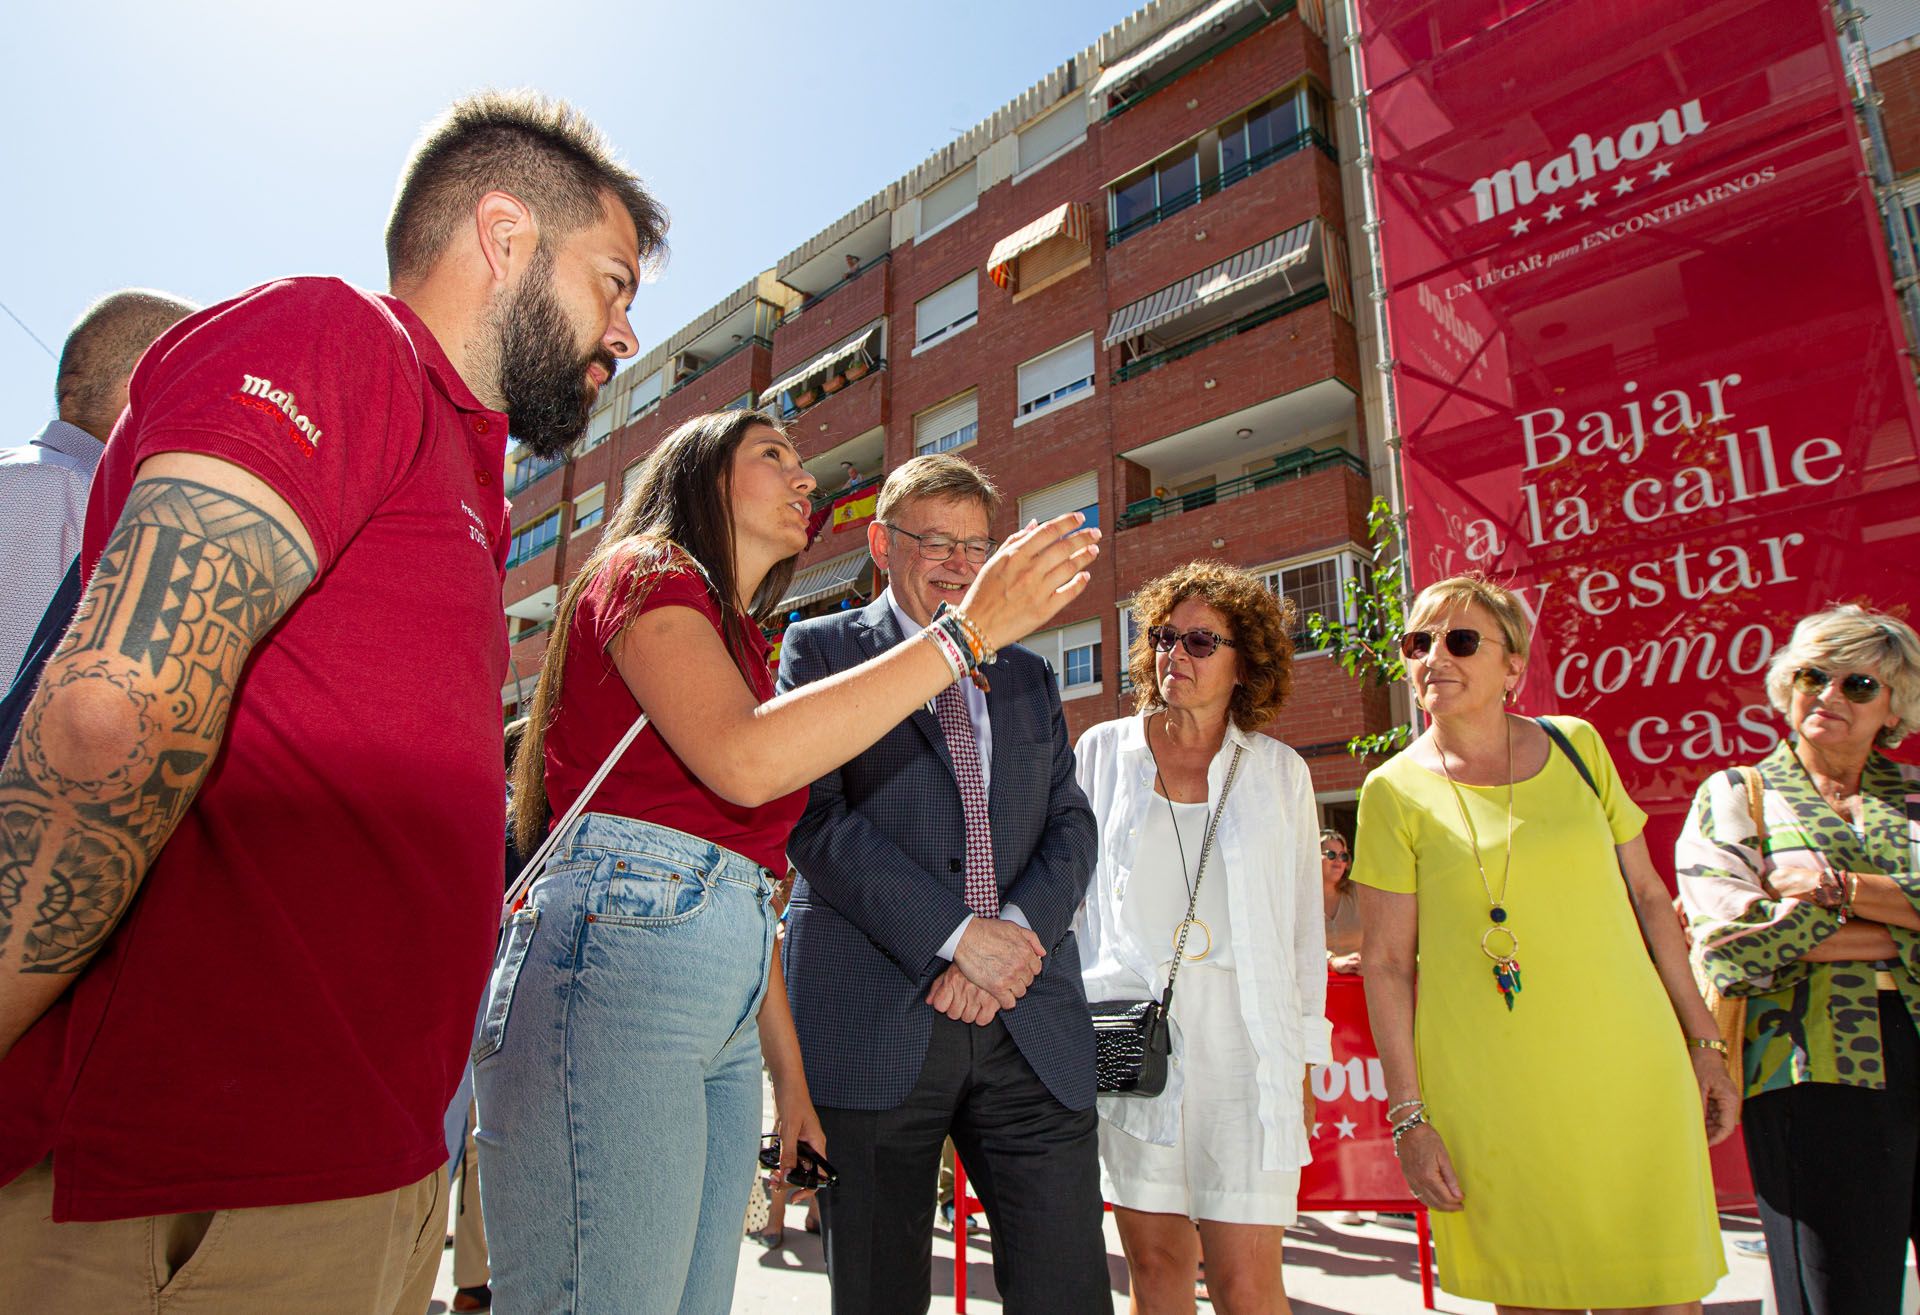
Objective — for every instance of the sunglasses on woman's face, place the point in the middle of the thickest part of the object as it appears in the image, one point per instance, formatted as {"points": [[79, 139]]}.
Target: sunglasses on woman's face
{"points": [[1856, 687], [1198, 642], [1416, 644], [811, 1170], [1335, 856]]}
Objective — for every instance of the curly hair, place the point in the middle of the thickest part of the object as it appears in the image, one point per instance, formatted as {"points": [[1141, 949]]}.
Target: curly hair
{"points": [[1262, 626]]}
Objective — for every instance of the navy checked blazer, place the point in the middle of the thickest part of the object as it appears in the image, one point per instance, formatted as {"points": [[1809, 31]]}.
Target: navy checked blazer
{"points": [[881, 854]]}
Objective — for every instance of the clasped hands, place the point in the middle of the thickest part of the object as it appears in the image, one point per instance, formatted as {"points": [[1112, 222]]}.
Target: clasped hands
{"points": [[992, 967]]}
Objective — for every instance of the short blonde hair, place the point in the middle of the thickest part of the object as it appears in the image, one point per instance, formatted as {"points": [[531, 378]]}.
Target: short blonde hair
{"points": [[1442, 596], [1848, 637], [935, 475]]}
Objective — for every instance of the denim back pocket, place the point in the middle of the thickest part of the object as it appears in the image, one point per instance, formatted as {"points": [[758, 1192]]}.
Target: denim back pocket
{"points": [[506, 976], [645, 890]]}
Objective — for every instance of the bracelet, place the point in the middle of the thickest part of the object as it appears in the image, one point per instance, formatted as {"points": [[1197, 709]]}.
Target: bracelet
{"points": [[1849, 882], [1393, 1111], [1708, 1043], [1403, 1128], [984, 653], [943, 645]]}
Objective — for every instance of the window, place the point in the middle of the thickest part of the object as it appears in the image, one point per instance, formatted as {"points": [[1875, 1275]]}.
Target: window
{"points": [[1079, 494], [599, 428], [590, 508], [744, 402], [1314, 586], [946, 312], [940, 206], [645, 395], [1075, 652], [1051, 134], [1169, 184], [1048, 380], [530, 542], [954, 423], [1270, 130]]}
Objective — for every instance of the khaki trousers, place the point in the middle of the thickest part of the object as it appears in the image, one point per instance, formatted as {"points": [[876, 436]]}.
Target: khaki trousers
{"points": [[371, 1255], [469, 1233]]}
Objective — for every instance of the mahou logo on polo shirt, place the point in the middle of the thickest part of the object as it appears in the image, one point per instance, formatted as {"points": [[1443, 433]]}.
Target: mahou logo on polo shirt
{"points": [[261, 395]]}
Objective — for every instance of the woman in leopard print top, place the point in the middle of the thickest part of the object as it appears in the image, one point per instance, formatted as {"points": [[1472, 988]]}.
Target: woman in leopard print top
{"points": [[1818, 925]]}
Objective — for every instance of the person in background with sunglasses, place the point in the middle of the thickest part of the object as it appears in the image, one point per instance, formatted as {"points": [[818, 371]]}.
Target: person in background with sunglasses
{"points": [[1818, 926], [1547, 1093], [1342, 903], [1223, 1143]]}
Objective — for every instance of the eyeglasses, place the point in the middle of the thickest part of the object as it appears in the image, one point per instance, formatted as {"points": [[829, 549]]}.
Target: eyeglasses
{"points": [[1856, 687], [811, 1171], [1416, 644], [1198, 642], [938, 547], [1335, 856]]}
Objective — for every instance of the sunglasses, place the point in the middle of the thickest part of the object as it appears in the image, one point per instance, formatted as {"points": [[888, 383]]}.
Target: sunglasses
{"points": [[1416, 644], [812, 1170], [1856, 687], [1335, 856], [1198, 642]]}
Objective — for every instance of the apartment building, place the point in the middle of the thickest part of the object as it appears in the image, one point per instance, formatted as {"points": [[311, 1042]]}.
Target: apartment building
{"points": [[1125, 292]]}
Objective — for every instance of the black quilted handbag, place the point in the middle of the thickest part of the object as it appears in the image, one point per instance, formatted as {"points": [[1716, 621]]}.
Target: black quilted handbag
{"points": [[1132, 1041]]}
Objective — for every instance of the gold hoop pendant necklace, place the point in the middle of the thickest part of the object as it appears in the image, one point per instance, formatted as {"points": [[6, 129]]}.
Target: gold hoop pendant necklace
{"points": [[1498, 942]]}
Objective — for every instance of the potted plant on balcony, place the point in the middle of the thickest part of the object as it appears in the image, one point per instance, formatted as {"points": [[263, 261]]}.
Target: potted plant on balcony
{"points": [[805, 396], [857, 368], [834, 382]]}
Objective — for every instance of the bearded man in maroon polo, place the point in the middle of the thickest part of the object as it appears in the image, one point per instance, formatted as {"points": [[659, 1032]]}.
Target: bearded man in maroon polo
{"points": [[250, 834]]}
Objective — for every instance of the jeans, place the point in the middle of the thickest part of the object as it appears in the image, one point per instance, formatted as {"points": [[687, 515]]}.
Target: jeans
{"points": [[617, 1067]]}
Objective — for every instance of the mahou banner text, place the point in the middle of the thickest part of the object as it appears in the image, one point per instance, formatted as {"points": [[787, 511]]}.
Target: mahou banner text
{"points": [[1649, 366]]}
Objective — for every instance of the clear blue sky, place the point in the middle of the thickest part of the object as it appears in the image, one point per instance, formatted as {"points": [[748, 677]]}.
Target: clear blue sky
{"points": [[203, 146]]}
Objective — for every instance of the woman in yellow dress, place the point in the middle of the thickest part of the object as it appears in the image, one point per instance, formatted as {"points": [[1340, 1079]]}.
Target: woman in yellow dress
{"points": [[1549, 1092]]}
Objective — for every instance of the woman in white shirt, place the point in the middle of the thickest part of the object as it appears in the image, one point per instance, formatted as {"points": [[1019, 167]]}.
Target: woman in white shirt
{"points": [[1222, 1145]]}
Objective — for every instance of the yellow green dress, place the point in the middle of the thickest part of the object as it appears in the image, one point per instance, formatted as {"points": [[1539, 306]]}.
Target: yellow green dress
{"points": [[1573, 1119]]}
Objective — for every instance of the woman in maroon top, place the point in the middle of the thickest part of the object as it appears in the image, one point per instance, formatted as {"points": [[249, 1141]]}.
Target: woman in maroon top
{"points": [[617, 1065]]}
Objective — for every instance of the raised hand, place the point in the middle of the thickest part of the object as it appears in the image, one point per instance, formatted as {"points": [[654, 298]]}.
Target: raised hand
{"points": [[1036, 572]]}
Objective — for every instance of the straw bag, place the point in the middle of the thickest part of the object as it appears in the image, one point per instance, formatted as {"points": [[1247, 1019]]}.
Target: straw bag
{"points": [[1730, 1011]]}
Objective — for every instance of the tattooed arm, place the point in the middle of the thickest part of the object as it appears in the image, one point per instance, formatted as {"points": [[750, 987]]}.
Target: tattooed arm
{"points": [[131, 711]]}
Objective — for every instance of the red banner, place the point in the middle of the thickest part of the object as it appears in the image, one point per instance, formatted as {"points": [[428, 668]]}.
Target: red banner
{"points": [[1649, 366], [1353, 1165]]}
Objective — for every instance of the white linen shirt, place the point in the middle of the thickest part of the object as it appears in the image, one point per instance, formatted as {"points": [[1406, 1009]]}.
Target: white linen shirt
{"points": [[1267, 851]]}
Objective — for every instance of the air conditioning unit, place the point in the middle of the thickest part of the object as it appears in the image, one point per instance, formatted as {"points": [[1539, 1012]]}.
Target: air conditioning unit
{"points": [[685, 364]]}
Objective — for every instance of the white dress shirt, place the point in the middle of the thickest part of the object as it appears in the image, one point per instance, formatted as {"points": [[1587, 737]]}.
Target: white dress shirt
{"points": [[43, 507], [1267, 858], [976, 699]]}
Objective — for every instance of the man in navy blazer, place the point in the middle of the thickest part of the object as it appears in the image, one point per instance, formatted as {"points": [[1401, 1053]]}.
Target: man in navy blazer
{"points": [[929, 1006]]}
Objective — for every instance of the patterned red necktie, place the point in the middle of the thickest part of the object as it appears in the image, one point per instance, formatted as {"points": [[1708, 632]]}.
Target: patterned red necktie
{"points": [[983, 891]]}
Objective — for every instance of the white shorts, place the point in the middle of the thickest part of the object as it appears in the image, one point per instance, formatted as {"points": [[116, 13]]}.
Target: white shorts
{"points": [[1212, 1171]]}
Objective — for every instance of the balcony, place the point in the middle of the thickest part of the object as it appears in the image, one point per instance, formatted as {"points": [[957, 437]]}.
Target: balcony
{"points": [[1172, 205], [688, 376], [1232, 329], [532, 470], [812, 299], [1297, 464], [1184, 47]]}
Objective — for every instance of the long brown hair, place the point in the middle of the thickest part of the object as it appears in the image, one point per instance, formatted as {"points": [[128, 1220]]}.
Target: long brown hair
{"points": [[677, 513]]}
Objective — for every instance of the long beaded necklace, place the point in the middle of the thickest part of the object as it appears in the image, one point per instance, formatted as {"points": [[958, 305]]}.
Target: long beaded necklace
{"points": [[1498, 942]]}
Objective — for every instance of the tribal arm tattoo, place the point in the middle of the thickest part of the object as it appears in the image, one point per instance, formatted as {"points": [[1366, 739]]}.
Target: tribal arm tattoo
{"points": [[128, 719]]}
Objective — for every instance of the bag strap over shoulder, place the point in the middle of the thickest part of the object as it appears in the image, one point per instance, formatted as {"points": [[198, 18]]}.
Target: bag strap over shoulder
{"points": [[531, 872], [1200, 871], [1555, 734]]}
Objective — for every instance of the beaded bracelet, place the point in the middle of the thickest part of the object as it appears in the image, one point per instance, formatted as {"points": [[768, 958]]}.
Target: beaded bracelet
{"points": [[986, 653], [952, 625], [1406, 1126], [1393, 1111], [1708, 1043]]}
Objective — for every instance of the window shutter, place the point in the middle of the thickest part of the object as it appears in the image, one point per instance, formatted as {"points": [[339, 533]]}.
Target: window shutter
{"points": [[1071, 495], [949, 418], [1044, 136], [1058, 368], [942, 203], [945, 309]]}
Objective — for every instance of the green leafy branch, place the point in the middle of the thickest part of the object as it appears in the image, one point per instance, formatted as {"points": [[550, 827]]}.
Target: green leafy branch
{"points": [[1365, 640]]}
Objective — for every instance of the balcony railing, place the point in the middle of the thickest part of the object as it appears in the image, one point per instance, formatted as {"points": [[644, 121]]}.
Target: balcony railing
{"points": [[824, 500], [788, 412], [754, 340], [1226, 178], [1296, 464], [1251, 320], [810, 300], [1205, 53], [531, 631], [533, 470]]}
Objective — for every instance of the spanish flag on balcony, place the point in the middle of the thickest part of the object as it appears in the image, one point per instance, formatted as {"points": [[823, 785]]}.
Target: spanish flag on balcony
{"points": [[855, 508]]}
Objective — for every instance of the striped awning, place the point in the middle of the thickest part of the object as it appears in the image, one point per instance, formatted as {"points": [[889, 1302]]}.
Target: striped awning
{"points": [[1070, 220], [825, 580], [865, 343], [1175, 38], [1271, 259]]}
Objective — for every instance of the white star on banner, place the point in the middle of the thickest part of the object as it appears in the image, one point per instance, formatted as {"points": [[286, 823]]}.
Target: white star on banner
{"points": [[1519, 226], [1624, 186], [1588, 200], [1316, 1130], [1554, 212], [1347, 1127], [1661, 170]]}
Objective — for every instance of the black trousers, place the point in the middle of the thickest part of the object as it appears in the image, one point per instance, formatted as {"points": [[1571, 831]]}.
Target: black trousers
{"points": [[1834, 1169], [1033, 1162]]}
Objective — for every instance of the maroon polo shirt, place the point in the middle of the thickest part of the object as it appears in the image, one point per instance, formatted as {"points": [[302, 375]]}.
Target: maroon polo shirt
{"points": [[284, 1013]]}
